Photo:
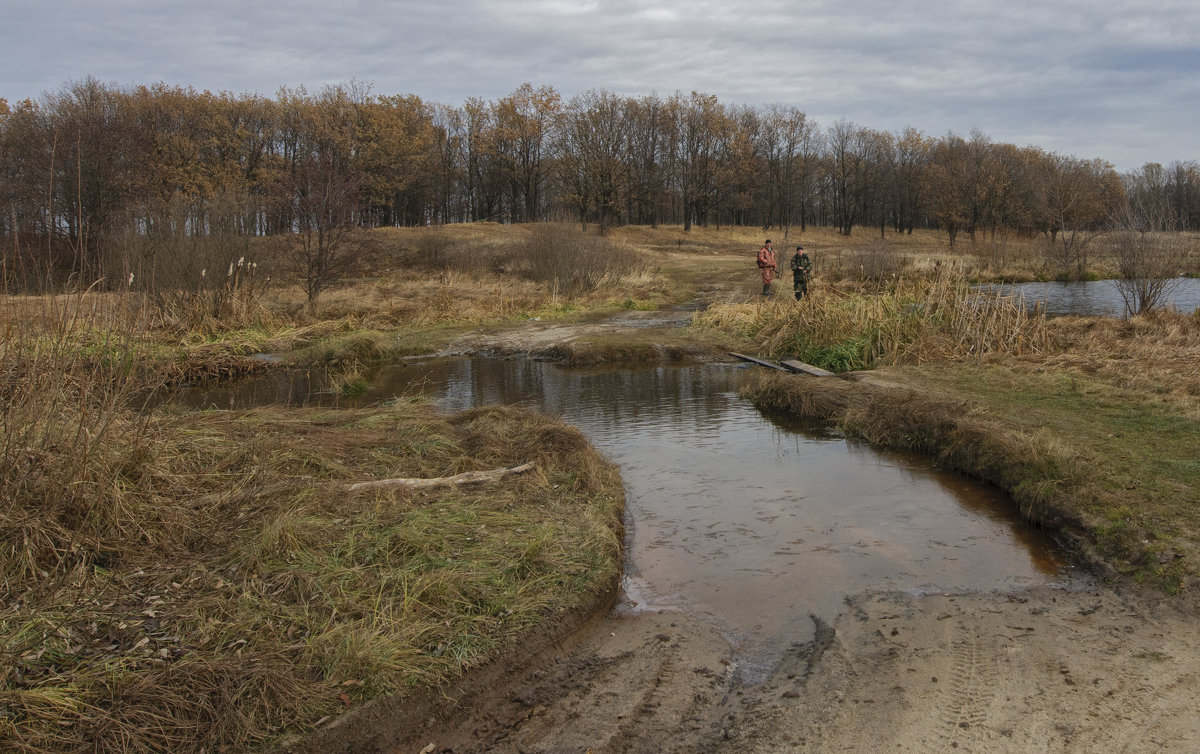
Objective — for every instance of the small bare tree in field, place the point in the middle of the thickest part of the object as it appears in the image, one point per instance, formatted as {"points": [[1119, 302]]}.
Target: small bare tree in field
{"points": [[1150, 263], [326, 200]]}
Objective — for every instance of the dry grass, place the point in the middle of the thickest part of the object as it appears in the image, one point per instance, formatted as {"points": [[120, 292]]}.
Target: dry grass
{"points": [[427, 284], [188, 582], [911, 320], [1153, 355], [1095, 433], [1003, 256], [256, 613], [1090, 423]]}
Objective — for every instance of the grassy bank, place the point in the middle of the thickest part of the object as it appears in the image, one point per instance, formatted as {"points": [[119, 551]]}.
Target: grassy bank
{"points": [[213, 584], [208, 581], [420, 288], [1090, 423]]}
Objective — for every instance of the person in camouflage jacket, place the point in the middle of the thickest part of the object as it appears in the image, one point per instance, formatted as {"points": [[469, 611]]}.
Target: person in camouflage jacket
{"points": [[801, 271]]}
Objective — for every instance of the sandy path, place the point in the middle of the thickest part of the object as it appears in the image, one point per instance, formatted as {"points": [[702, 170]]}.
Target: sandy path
{"points": [[1044, 670]]}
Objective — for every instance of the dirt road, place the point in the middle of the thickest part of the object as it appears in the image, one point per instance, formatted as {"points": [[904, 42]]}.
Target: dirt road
{"points": [[1045, 670]]}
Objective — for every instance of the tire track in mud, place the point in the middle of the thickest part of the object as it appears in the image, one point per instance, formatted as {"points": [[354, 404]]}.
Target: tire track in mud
{"points": [[969, 692], [630, 685], [1040, 670]]}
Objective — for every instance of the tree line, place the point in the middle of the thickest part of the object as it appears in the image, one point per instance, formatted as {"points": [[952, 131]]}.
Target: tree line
{"points": [[99, 181]]}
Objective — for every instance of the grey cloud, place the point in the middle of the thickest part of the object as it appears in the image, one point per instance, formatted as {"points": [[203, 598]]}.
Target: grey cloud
{"points": [[1107, 78]]}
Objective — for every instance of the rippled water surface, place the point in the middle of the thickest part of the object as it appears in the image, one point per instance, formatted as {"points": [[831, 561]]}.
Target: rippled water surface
{"points": [[1099, 298], [750, 521]]}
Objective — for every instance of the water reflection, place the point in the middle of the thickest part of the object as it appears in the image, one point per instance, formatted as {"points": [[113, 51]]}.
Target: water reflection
{"points": [[753, 522]]}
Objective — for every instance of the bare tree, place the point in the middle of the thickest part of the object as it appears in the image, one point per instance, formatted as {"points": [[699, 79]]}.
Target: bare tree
{"points": [[1150, 263], [326, 199], [1076, 196], [701, 124], [525, 123], [594, 171], [648, 143]]}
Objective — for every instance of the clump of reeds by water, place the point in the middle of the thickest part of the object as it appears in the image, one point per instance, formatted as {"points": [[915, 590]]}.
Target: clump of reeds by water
{"points": [[909, 320]]}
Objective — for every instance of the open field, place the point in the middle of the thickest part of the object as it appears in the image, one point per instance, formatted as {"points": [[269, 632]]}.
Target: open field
{"points": [[185, 581]]}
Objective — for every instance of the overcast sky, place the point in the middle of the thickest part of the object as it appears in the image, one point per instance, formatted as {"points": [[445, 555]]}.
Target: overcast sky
{"points": [[1114, 79]]}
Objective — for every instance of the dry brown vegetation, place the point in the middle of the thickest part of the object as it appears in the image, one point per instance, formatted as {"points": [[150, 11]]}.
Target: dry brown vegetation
{"points": [[910, 320], [182, 598], [1092, 426], [195, 581], [177, 581], [1088, 422], [1153, 356]]}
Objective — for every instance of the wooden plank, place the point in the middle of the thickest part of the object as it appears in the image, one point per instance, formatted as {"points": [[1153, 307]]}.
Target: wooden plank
{"points": [[799, 366], [760, 362]]}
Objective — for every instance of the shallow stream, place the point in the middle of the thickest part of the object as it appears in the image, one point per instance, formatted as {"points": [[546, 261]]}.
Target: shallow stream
{"points": [[752, 522]]}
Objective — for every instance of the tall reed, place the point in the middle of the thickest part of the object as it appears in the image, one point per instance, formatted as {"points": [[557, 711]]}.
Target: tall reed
{"points": [[911, 320], [67, 437]]}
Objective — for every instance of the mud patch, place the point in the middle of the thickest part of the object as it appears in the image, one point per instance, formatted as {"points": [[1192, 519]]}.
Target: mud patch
{"points": [[628, 337], [1037, 670], [631, 684]]}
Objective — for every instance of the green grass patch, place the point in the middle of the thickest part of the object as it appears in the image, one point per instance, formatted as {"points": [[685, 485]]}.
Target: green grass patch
{"points": [[1114, 469], [1143, 482]]}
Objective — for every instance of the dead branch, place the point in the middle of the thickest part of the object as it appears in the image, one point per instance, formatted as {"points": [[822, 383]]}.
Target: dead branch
{"points": [[408, 483], [470, 477]]}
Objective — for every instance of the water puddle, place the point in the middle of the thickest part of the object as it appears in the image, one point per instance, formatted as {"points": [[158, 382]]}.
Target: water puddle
{"points": [[751, 522]]}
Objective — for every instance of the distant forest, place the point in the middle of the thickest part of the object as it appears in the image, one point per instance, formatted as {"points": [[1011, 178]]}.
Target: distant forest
{"points": [[95, 175]]}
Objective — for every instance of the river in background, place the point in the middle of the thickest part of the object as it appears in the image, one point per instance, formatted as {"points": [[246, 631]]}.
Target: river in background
{"points": [[1097, 298], [752, 522]]}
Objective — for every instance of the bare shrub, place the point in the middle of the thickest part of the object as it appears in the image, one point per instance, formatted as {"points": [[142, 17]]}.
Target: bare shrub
{"points": [[431, 251], [572, 262], [436, 252], [880, 260], [1001, 254], [1150, 266], [193, 262], [1070, 259]]}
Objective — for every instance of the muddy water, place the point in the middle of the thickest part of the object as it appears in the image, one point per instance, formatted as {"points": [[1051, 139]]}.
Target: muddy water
{"points": [[751, 522]]}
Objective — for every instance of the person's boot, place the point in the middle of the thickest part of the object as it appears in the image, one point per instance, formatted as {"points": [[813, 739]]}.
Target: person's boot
{"points": [[766, 290]]}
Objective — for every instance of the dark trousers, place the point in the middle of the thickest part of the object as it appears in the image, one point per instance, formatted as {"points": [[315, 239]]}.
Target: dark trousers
{"points": [[800, 286]]}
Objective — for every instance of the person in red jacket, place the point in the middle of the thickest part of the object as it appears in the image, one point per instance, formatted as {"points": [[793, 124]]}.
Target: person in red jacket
{"points": [[767, 264]]}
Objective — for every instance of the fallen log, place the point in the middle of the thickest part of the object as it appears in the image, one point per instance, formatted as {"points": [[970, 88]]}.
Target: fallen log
{"points": [[409, 483], [469, 477]]}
